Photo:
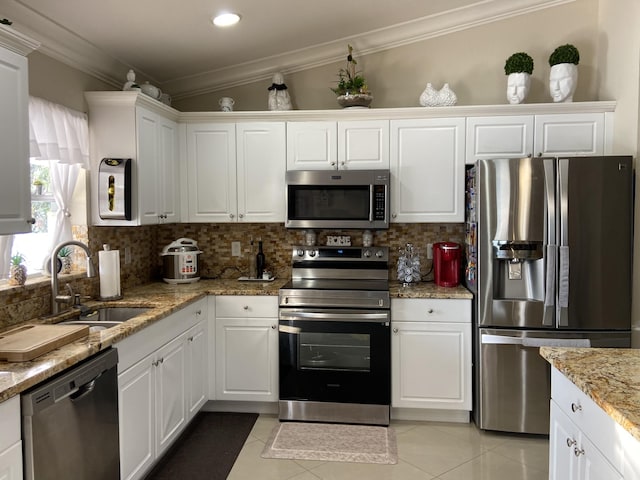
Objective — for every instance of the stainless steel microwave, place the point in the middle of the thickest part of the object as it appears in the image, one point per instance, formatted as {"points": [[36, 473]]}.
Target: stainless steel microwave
{"points": [[346, 199]]}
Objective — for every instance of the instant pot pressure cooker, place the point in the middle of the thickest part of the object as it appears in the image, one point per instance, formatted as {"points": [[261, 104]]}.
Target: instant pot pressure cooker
{"points": [[180, 261]]}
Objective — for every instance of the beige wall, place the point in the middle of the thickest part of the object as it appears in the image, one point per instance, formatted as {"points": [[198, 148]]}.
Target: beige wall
{"points": [[471, 61], [59, 83]]}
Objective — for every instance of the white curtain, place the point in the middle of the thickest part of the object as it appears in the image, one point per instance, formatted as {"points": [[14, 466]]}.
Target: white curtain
{"points": [[6, 242], [60, 135]]}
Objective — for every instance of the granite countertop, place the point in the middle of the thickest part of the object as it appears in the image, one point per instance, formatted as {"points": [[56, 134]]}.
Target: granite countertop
{"points": [[162, 299], [609, 376], [427, 290]]}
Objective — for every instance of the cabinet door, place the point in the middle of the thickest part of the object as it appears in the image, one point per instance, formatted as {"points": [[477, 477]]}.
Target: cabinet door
{"points": [[261, 157], [15, 196], [247, 359], [211, 172], [569, 134], [499, 137], [148, 171], [312, 145], [136, 403], [363, 145], [170, 392], [167, 189], [196, 368], [431, 365], [592, 464], [427, 170], [563, 437], [11, 462]]}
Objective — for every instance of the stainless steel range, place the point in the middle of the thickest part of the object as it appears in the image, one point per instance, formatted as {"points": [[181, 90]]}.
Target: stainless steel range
{"points": [[334, 335]]}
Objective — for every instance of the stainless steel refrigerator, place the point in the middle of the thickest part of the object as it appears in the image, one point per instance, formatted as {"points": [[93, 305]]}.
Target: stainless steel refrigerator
{"points": [[549, 245]]}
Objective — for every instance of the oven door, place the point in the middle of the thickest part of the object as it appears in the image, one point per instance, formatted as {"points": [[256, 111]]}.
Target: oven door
{"points": [[333, 355]]}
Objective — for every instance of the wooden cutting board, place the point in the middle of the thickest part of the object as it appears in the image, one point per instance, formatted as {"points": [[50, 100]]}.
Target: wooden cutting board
{"points": [[30, 341]]}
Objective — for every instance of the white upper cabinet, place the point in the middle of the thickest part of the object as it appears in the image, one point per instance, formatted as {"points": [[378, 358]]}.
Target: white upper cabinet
{"points": [[535, 135], [343, 145], [427, 170], [15, 194], [312, 145], [133, 125], [235, 172], [569, 134], [501, 136]]}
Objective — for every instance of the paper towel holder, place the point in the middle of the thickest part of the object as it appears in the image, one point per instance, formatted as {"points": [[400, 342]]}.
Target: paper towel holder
{"points": [[114, 189]]}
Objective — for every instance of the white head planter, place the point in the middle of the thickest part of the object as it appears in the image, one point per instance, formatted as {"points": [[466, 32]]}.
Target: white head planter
{"points": [[518, 69], [563, 80], [518, 85], [563, 77]]}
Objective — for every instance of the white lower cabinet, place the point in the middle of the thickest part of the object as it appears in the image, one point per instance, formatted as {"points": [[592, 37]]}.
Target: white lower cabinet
{"points": [[584, 442], [246, 344], [159, 393], [431, 354], [10, 440]]}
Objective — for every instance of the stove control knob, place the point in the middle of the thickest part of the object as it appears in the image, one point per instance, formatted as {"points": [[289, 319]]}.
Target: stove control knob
{"points": [[379, 254], [300, 252], [311, 253], [367, 253]]}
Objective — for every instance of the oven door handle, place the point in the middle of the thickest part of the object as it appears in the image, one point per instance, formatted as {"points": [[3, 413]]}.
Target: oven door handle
{"points": [[333, 317]]}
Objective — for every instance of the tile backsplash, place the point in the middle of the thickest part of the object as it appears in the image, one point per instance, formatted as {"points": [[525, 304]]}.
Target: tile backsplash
{"points": [[144, 245]]}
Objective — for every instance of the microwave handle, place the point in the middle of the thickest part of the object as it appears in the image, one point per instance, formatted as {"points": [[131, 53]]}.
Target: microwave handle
{"points": [[371, 189]]}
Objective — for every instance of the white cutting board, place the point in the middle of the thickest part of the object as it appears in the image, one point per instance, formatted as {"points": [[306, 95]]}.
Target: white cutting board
{"points": [[27, 342]]}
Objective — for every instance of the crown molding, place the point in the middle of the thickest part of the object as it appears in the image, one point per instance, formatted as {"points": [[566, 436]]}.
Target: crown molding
{"points": [[16, 41], [70, 49]]}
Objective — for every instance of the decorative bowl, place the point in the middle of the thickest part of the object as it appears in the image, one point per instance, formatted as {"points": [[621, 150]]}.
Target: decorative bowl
{"points": [[355, 100]]}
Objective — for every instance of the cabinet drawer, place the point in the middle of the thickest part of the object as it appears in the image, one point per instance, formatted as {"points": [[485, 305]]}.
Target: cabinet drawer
{"points": [[430, 310], [245, 306], [588, 417]]}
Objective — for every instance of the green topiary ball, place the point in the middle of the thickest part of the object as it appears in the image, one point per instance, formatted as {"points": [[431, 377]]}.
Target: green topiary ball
{"points": [[564, 54], [518, 63]]}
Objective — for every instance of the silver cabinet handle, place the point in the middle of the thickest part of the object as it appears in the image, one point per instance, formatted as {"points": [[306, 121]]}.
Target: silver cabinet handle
{"points": [[273, 327], [430, 311], [576, 407], [394, 215], [578, 451], [246, 307], [571, 442], [231, 215], [31, 221], [198, 312], [395, 330], [241, 215]]}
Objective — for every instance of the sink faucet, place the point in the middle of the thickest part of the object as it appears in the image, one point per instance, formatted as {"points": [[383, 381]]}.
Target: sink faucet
{"points": [[56, 299]]}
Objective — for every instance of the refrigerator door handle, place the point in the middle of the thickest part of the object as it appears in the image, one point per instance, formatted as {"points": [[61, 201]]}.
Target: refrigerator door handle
{"points": [[563, 285], [488, 339], [550, 286], [556, 342]]}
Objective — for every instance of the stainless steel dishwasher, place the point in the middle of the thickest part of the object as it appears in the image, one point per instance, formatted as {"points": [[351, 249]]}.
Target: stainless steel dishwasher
{"points": [[70, 423]]}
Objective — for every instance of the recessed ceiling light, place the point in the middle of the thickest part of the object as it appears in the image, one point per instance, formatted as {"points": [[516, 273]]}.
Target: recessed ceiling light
{"points": [[226, 19]]}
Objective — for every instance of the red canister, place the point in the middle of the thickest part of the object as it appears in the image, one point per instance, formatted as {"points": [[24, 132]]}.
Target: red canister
{"points": [[446, 263]]}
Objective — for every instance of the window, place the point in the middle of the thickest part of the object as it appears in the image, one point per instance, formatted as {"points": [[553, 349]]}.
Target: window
{"points": [[35, 245], [59, 145]]}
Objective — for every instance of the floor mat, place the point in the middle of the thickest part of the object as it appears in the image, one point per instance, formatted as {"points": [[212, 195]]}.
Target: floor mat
{"points": [[332, 442], [207, 449]]}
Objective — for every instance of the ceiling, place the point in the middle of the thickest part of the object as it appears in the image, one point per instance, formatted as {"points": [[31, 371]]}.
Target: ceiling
{"points": [[173, 44]]}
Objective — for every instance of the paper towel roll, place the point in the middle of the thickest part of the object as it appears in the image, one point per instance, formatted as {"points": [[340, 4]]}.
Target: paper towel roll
{"points": [[109, 264]]}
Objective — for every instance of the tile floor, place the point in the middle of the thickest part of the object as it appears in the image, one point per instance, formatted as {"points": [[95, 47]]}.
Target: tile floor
{"points": [[426, 451]]}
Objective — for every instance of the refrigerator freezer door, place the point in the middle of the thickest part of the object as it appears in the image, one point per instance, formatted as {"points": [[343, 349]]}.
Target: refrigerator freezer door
{"points": [[512, 380], [595, 198]]}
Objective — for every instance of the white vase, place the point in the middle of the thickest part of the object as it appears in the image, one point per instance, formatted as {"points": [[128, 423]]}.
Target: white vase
{"points": [[518, 85], [563, 80]]}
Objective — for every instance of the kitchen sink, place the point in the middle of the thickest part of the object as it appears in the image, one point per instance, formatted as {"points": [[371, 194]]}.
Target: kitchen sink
{"points": [[106, 317]]}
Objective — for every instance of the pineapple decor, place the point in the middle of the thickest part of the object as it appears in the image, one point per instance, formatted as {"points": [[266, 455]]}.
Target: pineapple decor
{"points": [[18, 272], [65, 257]]}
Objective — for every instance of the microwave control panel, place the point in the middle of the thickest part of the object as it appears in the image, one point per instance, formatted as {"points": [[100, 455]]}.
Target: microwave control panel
{"points": [[379, 202]]}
